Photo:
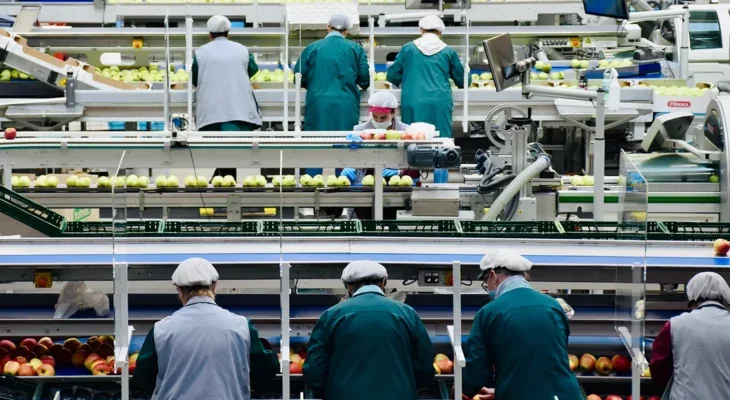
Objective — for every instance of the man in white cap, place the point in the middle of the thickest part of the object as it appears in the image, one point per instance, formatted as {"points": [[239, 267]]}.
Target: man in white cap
{"points": [[202, 351], [691, 354], [221, 73], [518, 345], [334, 71], [422, 70], [368, 346]]}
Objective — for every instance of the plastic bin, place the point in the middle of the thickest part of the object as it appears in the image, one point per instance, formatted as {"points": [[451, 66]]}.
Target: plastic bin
{"points": [[195, 228], [107, 229], [411, 228], [506, 229], [311, 228], [31, 213]]}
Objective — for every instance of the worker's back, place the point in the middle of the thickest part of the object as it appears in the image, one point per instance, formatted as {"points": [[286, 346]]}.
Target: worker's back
{"points": [[426, 77], [202, 353], [224, 92], [526, 337], [701, 353], [332, 69], [369, 347]]}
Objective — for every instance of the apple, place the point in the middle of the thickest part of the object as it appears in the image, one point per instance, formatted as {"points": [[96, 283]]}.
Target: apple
{"points": [[260, 181], [229, 181], [35, 363], [379, 136], [161, 181], [332, 181], [248, 181], [613, 397], [46, 341], [20, 360], [406, 136], [419, 136], [120, 181], [48, 360], [654, 398], [296, 359], [394, 181], [191, 181], [295, 368], [5, 360], [172, 181], [305, 180], [72, 344], [103, 182], [366, 136], [276, 181], [24, 181], [101, 369], [46, 370], [51, 181], [90, 360], [621, 364], [587, 362], [721, 247], [7, 345], [368, 180], [630, 397], [29, 343], [444, 364], [573, 361], [714, 179], [72, 181], [603, 366], [78, 358], [133, 358], [26, 370], [289, 181], [218, 181], [593, 397], [317, 181], [11, 368], [406, 181], [436, 368], [343, 181], [10, 133], [132, 181], [202, 181], [302, 353], [97, 362]]}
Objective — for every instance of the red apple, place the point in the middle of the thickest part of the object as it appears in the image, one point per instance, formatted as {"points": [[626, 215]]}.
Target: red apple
{"points": [[11, 368], [721, 247], [593, 397], [379, 136], [406, 136], [603, 366], [613, 397], [20, 360], [302, 353], [7, 345], [101, 369], [46, 341], [29, 343], [295, 368], [621, 364], [48, 360], [35, 363], [132, 367], [654, 398], [39, 350], [72, 344], [46, 370], [419, 136], [26, 370], [97, 362], [587, 362], [366, 136], [573, 361], [10, 133], [90, 360], [640, 397], [4, 361], [133, 358]]}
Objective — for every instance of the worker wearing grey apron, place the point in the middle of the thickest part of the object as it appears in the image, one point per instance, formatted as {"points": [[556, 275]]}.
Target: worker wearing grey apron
{"points": [[221, 73], [691, 354]]}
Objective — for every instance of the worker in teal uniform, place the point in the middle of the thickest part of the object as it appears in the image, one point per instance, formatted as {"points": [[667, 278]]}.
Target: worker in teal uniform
{"points": [[332, 69], [202, 351], [368, 346], [518, 345], [422, 70], [224, 96]]}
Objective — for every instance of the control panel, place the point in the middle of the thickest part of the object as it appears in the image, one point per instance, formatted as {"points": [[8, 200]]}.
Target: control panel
{"points": [[433, 277], [560, 42]]}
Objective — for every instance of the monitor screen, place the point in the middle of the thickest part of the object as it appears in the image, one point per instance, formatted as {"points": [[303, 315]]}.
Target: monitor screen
{"points": [[607, 8]]}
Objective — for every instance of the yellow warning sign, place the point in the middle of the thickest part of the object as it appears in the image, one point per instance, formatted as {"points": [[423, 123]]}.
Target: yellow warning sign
{"points": [[587, 41], [62, 82]]}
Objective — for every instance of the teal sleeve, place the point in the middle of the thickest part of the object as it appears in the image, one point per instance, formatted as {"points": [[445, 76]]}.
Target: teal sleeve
{"points": [[422, 357], [302, 63], [145, 375], [253, 68], [195, 71], [479, 372], [395, 71], [264, 363], [363, 70], [317, 363], [457, 70]]}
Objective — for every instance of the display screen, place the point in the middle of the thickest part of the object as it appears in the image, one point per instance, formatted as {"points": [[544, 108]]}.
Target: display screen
{"points": [[607, 8]]}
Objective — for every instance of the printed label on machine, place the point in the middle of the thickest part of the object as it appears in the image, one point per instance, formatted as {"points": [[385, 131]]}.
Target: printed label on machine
{"points": [[679, 104]]}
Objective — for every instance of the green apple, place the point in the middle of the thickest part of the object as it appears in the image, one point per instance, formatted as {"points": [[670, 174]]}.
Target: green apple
{"points": [[474, 77], [343, 181], [394, 180], [714, 179], [132, 181], [546, 68], [202, 181], [260, 181], [289, 181], [585, 64], [381, 77], [588, 180], [331, 180], [218, 181], [172, 181], [249, 181], [119, 182], [51, 181], [317, 181], [24, 181], [276, 181], [543, 76], [84, 182], [40, 181], [143, 181], [104, 182], [72, 181], [576, 180], [406, 181], [229, 181], [14, 181], [305, 180], [575, 63], [161, 181], [368, 180], [555, 76], [190, 181]]}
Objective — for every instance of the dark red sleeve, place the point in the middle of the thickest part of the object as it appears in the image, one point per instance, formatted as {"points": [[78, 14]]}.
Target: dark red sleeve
{"points": [[413, 173], [662, 363]]}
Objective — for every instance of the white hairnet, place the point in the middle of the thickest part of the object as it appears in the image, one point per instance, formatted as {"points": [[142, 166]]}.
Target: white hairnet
{"points": [[361, 270], [339, 22], [194, 272], [505, 259], [383, 99], [708, 286], [432, 23], [219, 24]]}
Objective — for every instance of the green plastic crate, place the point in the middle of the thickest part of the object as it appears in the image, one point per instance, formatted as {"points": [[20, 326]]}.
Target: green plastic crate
{"points": [[606, 230], [195, 228], [411, 228], [506, 229], [696, 231], [106, 229], [307, 228], [31, 213]]}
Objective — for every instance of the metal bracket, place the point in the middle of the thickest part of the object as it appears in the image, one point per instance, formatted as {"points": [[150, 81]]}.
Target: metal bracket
{"points": [[64, 151], [255, 155], [477, 206], [141, 200], [167, 151], [403, 155], [317, 199], [233, 208]]}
